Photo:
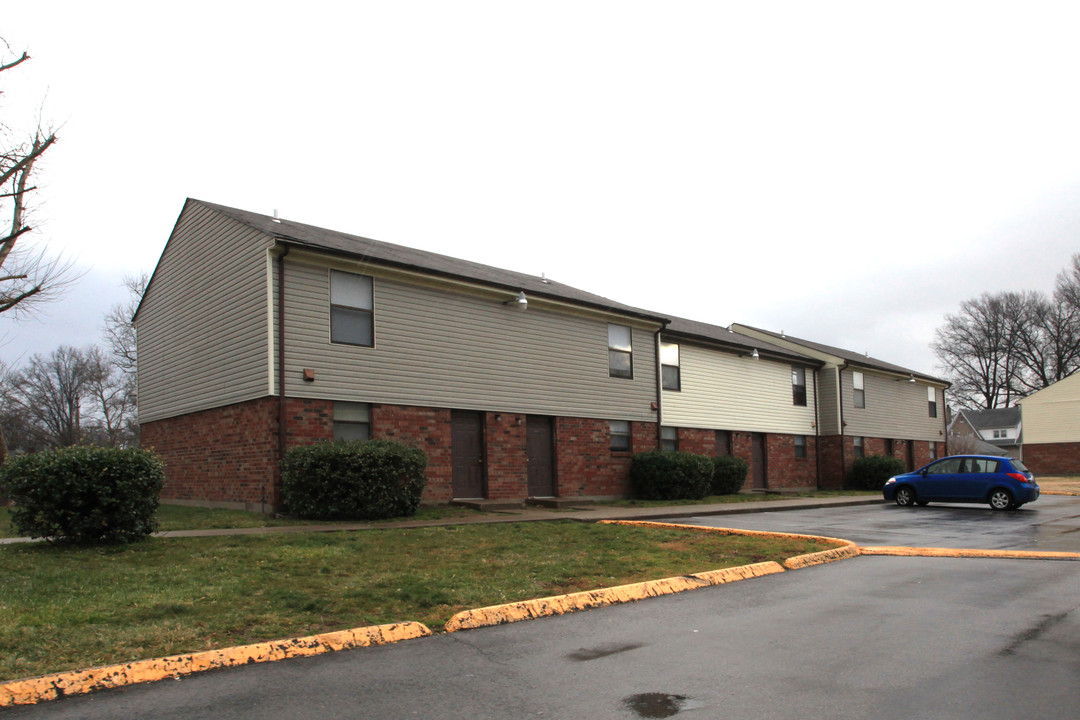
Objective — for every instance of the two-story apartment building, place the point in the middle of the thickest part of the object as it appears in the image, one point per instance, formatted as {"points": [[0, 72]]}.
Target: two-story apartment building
{"points": [[868, 407], [1052, 428], [257, 334]]}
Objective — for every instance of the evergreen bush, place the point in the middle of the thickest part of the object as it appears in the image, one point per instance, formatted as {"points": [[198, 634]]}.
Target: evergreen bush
{"points": [[729, 474], [871, 472], [84, 494], [355, 480], [660, 475]]}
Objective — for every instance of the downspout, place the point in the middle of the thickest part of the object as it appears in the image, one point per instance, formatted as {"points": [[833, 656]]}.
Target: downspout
{"points": [[840, 405], [659, 390], [281, 360], [945, 420], [817, 435]]}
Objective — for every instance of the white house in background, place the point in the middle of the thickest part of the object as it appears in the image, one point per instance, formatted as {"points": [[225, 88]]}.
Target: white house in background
{"points": [[1000, 427], [1052, 428]]}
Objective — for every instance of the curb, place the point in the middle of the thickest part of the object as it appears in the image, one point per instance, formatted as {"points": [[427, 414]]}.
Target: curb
{"points": [[80, 682], [589, 599], [967, 553]]}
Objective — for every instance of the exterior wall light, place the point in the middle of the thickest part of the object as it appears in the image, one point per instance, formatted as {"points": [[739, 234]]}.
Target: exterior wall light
{"points": [[520, 302]]}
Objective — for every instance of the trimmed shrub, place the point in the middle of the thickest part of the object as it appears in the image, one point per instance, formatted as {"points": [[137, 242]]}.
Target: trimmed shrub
{"points": [[357, 480], [84, 494], [729, 474], [659, 475], [871, 472]]}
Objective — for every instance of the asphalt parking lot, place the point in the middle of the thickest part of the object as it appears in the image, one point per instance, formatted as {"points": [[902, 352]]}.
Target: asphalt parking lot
{"points": [[1050, 524], [870, 637]]}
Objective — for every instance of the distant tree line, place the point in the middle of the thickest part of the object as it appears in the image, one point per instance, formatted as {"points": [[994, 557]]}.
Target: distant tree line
{"points": [[1004, 346], [76, 396]]}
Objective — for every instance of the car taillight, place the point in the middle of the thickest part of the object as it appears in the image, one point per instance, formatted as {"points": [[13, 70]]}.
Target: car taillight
{"points": [[1018, 476]]}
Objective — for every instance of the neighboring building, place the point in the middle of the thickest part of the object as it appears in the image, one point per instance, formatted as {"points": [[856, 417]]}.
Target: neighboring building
{"points": [[1052, 428], [729, 393], [258, 334], [1000, 427], [868, 407]]}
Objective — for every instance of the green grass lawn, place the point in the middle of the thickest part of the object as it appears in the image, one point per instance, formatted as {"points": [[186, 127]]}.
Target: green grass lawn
{"points": [[68, 607]]}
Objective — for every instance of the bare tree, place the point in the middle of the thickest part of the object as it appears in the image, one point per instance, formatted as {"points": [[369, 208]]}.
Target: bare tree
{"points": [[51, 393], [120, 337], [27, 276], [977, 349], [1045, 338]]}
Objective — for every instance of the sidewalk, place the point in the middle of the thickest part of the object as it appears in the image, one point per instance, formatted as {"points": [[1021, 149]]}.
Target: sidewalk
{"points": [[584, 513]]}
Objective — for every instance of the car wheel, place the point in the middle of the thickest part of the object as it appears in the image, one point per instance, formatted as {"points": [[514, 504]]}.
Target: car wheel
{"points": [[905, 497], [1001, 499]]}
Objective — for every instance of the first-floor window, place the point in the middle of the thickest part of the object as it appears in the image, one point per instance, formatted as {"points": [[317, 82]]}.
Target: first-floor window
{"points": [[619, 434], [933, 451], [352, 421], [800, 446], [857, 441], [669, 439]]}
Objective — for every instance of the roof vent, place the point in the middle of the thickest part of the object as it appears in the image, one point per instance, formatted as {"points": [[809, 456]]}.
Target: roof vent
{"points": [[276, 218], [544, 279]]}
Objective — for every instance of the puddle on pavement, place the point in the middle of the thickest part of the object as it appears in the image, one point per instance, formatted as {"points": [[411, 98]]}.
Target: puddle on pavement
{"points": [[655, 705]]}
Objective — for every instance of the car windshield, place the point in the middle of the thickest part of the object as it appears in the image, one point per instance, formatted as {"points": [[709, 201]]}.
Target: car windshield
{"points": [[1019, 466]]}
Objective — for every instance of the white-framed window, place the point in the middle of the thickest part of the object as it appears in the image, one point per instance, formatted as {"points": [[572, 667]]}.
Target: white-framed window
{"points": [[352, 309], [798, 386], [619, 436], [620, 351], [800, 446], [669, 439], [931, 399], [352, 421], [860, 392], [669, 366], [999, 434]]}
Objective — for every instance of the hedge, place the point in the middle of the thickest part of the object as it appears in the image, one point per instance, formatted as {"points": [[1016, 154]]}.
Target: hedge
{"points": [[729, 474], [660, 475], [356, 480], [871, 472]]}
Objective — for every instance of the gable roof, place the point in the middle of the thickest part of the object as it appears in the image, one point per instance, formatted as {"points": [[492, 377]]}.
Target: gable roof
{"points": [[726, 337], [996, 418], [399, 256], [849, 357]]}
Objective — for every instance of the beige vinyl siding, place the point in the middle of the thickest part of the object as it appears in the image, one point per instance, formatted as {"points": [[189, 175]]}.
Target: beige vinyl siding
{"points": [[828, 410], [724, 391], [202, 327], [439, 347], [1052, 415], [895, 408]]}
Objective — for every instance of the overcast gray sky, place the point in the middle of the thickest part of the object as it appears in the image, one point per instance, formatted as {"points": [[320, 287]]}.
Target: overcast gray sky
{"points": [[847, 172]]}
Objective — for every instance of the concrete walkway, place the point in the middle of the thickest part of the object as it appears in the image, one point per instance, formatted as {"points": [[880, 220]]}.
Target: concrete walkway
{"points": [[584, 513]]}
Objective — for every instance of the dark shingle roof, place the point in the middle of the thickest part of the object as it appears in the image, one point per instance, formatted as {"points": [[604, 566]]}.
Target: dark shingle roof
{"points": [[996, 418], [385, 253], [851, 358], [718, 335]]}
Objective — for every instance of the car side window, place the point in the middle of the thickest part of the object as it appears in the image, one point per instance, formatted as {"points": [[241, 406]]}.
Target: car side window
{"points": [[991, 466], [945, 467]]}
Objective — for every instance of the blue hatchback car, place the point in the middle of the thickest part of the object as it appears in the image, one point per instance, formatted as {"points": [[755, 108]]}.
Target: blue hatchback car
{"points": [[1002, 482]]}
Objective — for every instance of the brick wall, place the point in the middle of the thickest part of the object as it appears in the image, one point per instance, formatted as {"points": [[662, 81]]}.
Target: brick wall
{"points": [[226, 456], [1052, 458], [831, 449], [427, 429], [784, 469], [585, 464], [702, 442], [505, 456]]}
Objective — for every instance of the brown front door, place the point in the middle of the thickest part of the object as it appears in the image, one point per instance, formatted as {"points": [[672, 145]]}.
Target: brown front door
{"points": [[467, 453], [538, 449], [757, 444]]}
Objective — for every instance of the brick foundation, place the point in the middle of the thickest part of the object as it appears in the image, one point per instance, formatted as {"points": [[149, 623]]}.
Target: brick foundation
{"points": [[585, 464], [838, 455], [1052, 458]]}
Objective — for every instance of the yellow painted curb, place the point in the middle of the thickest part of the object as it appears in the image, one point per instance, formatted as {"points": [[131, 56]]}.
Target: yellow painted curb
{"points": [[966, 553], [846, 550], [78, 682], [1059, 492], [589, 599]]}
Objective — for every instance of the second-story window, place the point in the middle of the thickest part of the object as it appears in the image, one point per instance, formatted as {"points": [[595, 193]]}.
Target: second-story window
{"points": [[931, 400], [860, 392], [669, 366], [798, 386], [620, 351], [352, 317]]}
